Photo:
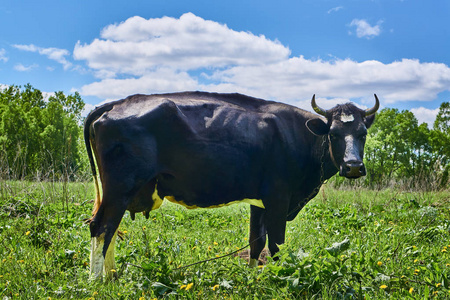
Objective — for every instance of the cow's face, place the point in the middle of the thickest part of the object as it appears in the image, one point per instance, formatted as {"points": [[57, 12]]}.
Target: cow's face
{"points": [[346, 129]]}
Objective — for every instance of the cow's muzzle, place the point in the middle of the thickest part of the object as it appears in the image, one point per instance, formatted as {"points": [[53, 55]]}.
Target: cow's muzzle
{"points": [[352, 169]]}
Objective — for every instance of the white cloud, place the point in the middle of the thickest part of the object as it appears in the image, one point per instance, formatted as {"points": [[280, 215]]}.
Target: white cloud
{"points": [[56, 54], [3, 56], [138, 46], [425, 115], [22, 68], [335, 9], [292, 78], [190, 53], [158, 81], [365, 30]]}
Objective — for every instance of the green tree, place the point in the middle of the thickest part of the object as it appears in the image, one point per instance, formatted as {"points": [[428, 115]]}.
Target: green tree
{"points": [[440, 142], [400, 150], [39, 137]]}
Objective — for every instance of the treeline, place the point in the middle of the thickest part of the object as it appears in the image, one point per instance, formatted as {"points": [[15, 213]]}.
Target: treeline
{"points": [[41, 138]]}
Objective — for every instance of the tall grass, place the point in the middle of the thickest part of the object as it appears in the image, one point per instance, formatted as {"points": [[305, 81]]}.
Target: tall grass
{"points": [[345, 244]]}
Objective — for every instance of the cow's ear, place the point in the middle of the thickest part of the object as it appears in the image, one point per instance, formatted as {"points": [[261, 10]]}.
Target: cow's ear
{"points": [[368, 121], [317, 126]]}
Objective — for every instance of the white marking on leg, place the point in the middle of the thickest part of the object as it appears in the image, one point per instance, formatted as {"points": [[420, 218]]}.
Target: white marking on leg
{"points": [[97, 259], [110, 264], [253, 263]]}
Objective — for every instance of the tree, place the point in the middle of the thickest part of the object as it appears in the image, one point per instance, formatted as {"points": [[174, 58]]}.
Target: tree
{"points": [[399, 149], [39, 137], [440, 142]]}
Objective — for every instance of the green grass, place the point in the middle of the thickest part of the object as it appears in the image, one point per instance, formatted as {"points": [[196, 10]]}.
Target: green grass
{"points": [[353, 244]]}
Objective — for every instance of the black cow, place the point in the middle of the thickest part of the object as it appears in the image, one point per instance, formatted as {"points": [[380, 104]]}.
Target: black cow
{"points": [[208, 150]]}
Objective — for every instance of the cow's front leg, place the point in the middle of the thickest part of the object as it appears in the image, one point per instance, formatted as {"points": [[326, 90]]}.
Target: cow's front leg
{"points": [[257, 234], [275, 219]]}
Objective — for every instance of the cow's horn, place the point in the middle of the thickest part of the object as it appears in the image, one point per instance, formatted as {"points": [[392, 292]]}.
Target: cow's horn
{"points": [[317, 109], [374, 109]]}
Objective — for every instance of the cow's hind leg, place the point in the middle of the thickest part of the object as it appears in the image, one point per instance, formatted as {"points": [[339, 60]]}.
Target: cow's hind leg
{"points": [[103, 228], [257, 234]]}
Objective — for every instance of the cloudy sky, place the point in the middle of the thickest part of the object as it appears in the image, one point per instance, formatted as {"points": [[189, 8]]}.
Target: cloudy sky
{"points": [[284, 50]]}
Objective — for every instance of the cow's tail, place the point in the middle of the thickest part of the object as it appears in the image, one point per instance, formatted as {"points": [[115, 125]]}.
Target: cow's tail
{"points": [[94, 115]]}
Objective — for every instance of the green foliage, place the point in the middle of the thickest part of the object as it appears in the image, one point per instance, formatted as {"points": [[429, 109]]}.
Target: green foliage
{"points": [[38, 137], [354, 244], [400, 150]]}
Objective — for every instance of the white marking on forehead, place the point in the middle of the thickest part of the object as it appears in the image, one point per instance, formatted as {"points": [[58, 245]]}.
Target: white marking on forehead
{"points": [[347, 118]]}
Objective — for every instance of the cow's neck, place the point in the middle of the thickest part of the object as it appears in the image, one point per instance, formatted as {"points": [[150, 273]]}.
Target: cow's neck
{"points": [[325, 159]]}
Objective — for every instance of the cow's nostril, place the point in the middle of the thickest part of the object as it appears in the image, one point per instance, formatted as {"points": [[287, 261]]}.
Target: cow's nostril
{"points": [[353, 169]]}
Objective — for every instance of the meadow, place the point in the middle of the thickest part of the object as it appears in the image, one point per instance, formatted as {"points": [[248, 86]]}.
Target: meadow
{"points": [[345, 244]]}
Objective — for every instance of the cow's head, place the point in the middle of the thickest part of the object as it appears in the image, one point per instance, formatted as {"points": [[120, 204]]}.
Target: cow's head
{"points": [[346, 128]]}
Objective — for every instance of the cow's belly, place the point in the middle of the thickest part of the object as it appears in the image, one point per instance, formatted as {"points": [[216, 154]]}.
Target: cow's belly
{"points": [[253, 202], [157, 201]]}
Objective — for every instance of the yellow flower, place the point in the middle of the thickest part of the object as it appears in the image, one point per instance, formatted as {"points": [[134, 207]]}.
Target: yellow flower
{"points": [[142, 298], [383, 286], [194, 247], [94, 293], [215, 287], [182, 287], [438, 284], [411, 290], [189, 286], [416, 260], [417, 270], [27, 233], [379, 263], [215, 243]]}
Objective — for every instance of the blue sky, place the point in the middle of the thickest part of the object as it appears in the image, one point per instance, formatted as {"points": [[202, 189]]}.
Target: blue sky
{"points": [[280, 50]]}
